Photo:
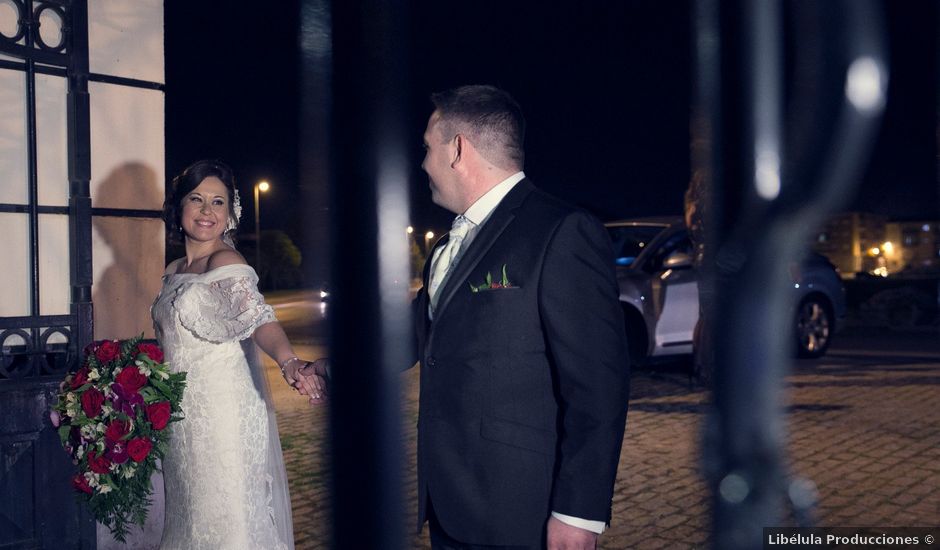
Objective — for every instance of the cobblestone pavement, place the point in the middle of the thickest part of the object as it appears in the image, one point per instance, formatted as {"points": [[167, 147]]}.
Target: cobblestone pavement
{"points": [[864, 427]]}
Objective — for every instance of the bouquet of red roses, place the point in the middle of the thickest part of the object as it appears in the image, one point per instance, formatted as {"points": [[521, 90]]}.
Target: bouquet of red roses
{"points": [[112, 416]]}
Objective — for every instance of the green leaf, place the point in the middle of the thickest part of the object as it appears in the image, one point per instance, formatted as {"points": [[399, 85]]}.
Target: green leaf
{"points": [[505, 279], [161, 385], [64, 434], [489, 278], [150, 395]]}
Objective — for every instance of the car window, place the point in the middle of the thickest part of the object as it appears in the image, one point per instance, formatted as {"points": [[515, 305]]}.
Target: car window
{"points": [[630, 240]]}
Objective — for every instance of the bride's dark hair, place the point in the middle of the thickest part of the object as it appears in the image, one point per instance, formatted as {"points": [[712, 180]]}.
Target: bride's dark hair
{"points": [[183, 185]]}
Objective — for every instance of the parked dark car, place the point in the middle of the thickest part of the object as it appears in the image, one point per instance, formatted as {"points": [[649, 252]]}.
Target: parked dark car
{"points": [[659, 293]]}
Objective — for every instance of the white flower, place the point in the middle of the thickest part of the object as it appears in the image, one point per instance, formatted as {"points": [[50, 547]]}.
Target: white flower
{"points": [[93, 374], [106, 410], [163, 375], [101, 428], [92, 479], [129, 472], [104, 488], [88, 431], [144, 369], [70, 398], [79, 452], [114, 466]]}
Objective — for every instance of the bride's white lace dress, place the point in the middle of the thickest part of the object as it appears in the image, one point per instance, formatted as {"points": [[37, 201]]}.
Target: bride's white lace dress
{"points": [[224, 473]]}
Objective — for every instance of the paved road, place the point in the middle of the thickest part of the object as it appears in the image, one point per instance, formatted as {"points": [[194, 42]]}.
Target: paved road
{"points": [[864, 426]]}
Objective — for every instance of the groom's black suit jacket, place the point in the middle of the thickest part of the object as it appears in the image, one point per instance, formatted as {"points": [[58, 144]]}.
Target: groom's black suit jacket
{"points": [[524, 389]]}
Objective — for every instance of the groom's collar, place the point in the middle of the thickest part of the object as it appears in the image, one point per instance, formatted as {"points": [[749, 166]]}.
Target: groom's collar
{"points": [[480, 210]]}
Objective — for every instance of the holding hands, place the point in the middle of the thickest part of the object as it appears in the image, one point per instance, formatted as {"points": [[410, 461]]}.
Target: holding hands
{"points": [[309, 378]]}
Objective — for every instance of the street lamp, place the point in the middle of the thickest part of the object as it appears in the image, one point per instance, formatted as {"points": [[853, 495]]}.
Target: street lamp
{"points": [[427, 241], [260, 187]]}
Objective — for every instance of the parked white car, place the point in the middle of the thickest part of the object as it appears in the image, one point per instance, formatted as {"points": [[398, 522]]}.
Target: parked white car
{"points": [[659, 291]]}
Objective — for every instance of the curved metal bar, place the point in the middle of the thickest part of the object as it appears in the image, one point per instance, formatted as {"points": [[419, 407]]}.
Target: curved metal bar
{"points": [[760, 230], [63, 34], [49, 363], [7, 361], [21, 23]]}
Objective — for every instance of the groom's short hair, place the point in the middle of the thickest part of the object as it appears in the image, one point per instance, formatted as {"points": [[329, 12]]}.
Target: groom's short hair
{"points": [[489, 117]]}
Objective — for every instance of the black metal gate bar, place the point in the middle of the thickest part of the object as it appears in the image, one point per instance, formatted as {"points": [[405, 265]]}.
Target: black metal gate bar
{"points": [[79, 171], [33, 188], [761, 218], [370, 315]]}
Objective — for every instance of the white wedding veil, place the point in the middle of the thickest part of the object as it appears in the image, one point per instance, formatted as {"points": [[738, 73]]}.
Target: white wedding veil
{"points": [[274, 461]]}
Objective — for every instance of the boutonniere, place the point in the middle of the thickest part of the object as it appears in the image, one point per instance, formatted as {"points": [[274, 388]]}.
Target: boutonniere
{"points": [[491, 284]]}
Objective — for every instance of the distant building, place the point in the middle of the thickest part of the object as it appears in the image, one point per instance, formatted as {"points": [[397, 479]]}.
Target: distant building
{"points": [[849, 240], [859, 242], [919, 243]]}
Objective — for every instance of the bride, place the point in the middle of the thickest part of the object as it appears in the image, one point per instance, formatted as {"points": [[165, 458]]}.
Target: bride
{"points": [[226, 486]]}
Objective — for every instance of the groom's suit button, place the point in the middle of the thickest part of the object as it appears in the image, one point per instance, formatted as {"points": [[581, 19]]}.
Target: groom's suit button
{"points": [[432, 361]]}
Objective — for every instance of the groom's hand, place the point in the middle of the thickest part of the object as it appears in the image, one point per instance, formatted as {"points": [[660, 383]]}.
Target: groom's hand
{"points": [[561, 536], [315, 376]]}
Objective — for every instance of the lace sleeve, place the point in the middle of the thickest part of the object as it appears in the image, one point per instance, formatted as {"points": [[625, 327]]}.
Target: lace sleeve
{"points": [[223, 310]]}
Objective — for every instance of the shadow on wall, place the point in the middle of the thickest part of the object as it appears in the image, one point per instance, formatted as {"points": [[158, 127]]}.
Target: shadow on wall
{"points": [[131, 248]]}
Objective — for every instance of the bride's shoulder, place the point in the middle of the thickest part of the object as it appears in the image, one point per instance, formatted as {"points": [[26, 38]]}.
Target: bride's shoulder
{"points": [[173, 267], [224, 257]]}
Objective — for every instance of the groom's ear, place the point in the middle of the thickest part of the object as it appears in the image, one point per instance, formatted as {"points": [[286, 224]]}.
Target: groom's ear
{"points": [[460, 143]]}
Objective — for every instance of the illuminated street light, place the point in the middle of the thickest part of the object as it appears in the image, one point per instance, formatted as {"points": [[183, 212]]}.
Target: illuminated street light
{"points": [[260, 187], [427, 241], [874, 251], [409, 230], [888, 247]]}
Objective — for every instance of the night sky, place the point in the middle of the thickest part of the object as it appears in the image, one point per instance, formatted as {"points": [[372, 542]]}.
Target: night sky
{"points": [[606, 89]]}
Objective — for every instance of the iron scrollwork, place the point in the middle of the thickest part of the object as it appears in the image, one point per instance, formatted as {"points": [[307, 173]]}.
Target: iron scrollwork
{"points": [[27, 38], [25, 356]]}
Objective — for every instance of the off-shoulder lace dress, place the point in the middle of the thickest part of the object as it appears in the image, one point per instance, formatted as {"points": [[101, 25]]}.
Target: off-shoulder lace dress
{"points": [[224, 473]]}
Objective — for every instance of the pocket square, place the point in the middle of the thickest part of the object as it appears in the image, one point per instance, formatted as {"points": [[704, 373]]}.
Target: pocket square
{"points": [[490, 284]]}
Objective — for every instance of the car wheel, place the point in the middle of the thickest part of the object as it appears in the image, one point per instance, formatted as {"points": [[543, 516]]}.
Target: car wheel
{"points": [[814, 323]]}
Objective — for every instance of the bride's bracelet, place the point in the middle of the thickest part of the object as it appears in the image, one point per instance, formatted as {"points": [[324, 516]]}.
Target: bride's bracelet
{"points": [[288, 362]]}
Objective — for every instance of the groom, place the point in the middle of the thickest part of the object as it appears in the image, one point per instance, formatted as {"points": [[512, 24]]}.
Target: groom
{"points": [[524, 367]]}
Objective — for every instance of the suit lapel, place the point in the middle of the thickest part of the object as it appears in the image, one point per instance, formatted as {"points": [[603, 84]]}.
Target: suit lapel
{"points": [[488, 235]]}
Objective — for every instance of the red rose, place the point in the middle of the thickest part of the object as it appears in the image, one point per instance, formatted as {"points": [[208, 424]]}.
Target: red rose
{"points": [[152, 351], [81, 484], [138, 448], [91, 348], [159, 414], [108, 351], [91, 402], [131, 379], [80, 378], [116, 430], [98, 463]]}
